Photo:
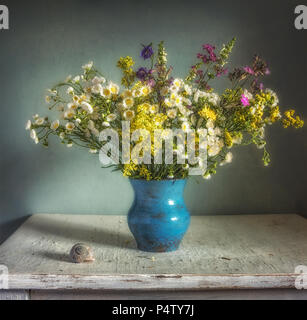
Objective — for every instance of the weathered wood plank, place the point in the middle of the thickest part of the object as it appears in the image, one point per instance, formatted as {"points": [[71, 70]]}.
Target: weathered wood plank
{"points": [[254, 251], [267, 294], [151, 281], [14, 295]]}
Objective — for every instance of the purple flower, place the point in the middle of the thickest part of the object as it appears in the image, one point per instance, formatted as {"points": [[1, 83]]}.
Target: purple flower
{"points": [[248, 70], [205, 59], [212, 56], [199, 56], [147, 52], [142, 73], [221, 72], [244, 100], [208, 47], [151, 82]]}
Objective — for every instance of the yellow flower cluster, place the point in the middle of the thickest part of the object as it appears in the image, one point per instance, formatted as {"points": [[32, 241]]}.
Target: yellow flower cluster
{"points": [[145, 173], [207, 113], [274, 114], [296, 122], [129, 169], [126, 64], [228, 139]]}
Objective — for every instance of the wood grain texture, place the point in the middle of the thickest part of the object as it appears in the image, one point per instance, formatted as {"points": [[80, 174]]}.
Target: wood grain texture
{"points": [[218, 252], [14, 295], [248, 294]]}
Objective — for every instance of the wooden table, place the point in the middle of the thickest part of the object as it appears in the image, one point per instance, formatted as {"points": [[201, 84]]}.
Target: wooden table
{"points": [[219, 257]]}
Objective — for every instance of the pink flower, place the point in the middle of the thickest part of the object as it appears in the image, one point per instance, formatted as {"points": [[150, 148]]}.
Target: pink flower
{"points": [[249, 70], [244, 100]]}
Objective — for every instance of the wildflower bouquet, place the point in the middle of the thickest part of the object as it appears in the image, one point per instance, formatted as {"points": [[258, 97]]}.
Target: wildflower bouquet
{"points": [[152, 100]]}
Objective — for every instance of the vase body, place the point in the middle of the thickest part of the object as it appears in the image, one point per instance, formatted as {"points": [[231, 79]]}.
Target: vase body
{"points": [[158, 218]]}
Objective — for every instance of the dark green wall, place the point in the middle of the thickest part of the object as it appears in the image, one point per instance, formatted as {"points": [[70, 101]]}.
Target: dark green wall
{"points": [[50, 39]]}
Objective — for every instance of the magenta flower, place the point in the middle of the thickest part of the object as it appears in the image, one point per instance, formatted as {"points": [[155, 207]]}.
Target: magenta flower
{"points": [[249, 70], [221, 72], [199, 56], [244, 100], [208, 47]]}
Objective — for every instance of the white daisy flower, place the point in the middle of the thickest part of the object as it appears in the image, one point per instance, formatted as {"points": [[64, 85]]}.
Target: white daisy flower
{"points": [[114, 88], [188, 89], [209, 124], [106, 92], [92, 151], [28, 125], [178, 83], [248, 94], [129, 114], [145, 91], [77, 122], [48, 99], [33, 134], [72, 106], [229, 157], [136, 93], [87, 107], [76, 79], [39, 121], [68, 114], [97, 88], [172, 113], [98, 80], [184, 111], [55, 124], [111, 117], [168, 103], [153, 108], [106, 124], [128, 102], [62, 135], [69, 126], [214, 98], [127, 93], [70, 90], [88, 66], [185, 126]]}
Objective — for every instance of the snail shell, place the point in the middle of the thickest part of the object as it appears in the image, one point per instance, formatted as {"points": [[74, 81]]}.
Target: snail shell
{"points": [[80, 252]]}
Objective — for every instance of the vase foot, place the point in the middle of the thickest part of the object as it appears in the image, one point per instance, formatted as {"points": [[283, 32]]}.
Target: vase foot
{"points": [[160, 247]]}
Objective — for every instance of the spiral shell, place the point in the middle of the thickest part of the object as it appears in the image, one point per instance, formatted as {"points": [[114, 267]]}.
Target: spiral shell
{"points": [[81, 252]]}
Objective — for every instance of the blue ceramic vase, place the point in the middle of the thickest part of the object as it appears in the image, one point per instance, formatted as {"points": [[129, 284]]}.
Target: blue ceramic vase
{"points": [[158, 218]]}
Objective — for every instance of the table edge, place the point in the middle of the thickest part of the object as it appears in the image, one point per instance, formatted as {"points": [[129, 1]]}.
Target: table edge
{"points": [[151, 281]]}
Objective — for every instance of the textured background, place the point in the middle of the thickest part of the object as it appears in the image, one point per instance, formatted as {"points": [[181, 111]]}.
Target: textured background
{"points": [[50, 39]]}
